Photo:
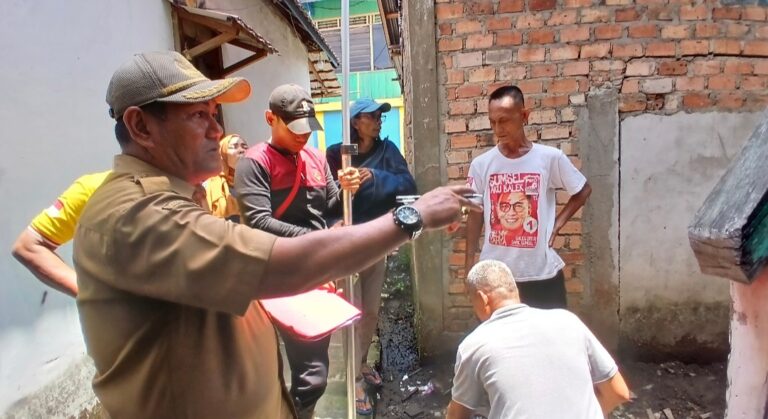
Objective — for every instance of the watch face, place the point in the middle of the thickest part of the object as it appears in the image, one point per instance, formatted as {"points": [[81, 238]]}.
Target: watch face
{"points": [[408, 215]]}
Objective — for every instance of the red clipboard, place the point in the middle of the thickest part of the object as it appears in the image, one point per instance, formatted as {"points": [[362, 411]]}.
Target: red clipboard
{"points": [[311, 315]]}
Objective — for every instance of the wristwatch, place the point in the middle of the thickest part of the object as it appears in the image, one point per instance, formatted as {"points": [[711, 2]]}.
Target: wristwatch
{"points": [[408, 218]]}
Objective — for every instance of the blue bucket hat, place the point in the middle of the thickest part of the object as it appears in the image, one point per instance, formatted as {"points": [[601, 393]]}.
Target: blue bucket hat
{"points": [[368, 105]]}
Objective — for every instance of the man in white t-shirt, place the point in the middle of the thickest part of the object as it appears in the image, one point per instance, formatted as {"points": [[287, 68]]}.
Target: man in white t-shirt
{"points": [[523, 362], [518, 180]]}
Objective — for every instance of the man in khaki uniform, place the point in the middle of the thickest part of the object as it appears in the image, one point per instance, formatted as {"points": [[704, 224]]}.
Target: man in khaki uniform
{"points": [[167, 291]]}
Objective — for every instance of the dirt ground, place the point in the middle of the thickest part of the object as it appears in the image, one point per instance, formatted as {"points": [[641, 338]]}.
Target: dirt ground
{"points": [[686, 390]]}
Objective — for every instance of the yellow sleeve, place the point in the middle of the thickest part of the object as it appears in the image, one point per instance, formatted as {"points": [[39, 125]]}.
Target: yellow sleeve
{"points": [[57, 223]]}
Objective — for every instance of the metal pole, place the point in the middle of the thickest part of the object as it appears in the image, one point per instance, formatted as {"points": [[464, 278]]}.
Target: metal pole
{"points": [[347, 150]]}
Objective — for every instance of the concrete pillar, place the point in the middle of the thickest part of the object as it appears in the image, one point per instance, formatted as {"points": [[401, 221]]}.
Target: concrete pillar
{"points": [[598, 126]]}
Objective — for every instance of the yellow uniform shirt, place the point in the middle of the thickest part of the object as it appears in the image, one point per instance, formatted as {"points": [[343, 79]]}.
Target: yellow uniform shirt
{"points": [[57, 223], [167, 305]]}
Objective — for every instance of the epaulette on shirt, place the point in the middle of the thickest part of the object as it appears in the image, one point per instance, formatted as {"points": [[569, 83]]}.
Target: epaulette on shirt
{"points": [[153, 184]]}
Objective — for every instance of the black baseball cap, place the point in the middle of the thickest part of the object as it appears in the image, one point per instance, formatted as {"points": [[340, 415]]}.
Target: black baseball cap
{"points": [[293, 104]]}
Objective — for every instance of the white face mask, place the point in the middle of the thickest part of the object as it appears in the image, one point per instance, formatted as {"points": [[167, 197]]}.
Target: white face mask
{"points": [[235, 150]]}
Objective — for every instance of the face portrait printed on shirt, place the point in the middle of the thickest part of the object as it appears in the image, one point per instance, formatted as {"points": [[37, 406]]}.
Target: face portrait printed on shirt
{"points": [[514, 209]]}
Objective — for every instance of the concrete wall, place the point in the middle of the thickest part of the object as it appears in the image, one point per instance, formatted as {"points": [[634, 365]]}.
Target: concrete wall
{"points": [[668, 166], [747, 394], [57, 61], [288, 66]]}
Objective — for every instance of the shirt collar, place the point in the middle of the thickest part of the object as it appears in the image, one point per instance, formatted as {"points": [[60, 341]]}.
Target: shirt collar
{"points": [[509, 310], [127, 164]]}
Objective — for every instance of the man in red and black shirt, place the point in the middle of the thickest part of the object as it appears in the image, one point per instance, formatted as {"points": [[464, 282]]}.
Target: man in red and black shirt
{"points": [[285, 188]]}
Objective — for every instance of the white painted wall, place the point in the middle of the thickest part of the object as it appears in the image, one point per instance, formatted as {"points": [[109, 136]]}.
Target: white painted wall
{"points": [[288, 66], [668, 166], [58, 57]]}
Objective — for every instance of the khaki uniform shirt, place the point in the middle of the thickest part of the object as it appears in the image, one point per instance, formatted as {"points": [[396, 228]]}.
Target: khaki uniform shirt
{"points": [[167, 305]]}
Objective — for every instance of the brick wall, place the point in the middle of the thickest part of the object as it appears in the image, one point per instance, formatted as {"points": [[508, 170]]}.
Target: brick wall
{"points": [[663, 56]]}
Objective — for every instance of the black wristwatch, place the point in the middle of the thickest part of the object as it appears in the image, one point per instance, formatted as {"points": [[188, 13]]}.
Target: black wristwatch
{"points": [[408, 218]]}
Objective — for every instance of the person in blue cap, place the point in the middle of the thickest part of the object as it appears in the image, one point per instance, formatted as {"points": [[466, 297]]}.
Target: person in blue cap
{"points": [[383, 176]]}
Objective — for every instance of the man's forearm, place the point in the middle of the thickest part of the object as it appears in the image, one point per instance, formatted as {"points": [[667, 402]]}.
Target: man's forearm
{"points": [[300, 264], [458, 411], [44, 263], [612, 393]]}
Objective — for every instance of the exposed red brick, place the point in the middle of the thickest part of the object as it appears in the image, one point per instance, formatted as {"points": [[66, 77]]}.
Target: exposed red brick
{"points": [[469, 91], [608, 65], [530, 54], [544, 36], [595, 50], [499, 23], [640, 68], [468, 26], [676, 32], [514, 72], [562, 17], [563, 86], [738, 67], [482, 74], [577, 3], [630, 14], [468, 59], [608, 31], [553, 133], [627, 50], [736, 30], [479, 41], [756, 48], [529, 21], [726, 47], [660, 12], [511, 6], [656, 86], [449, 11], [544, 70], [506, 38], [454, 76], [555, 101], [705, 67], [688, 12], [730, 13], [690, 83], [480, 7], [660, 49], [580, 33], [542, 116], [568, 52], [696, 101], [756, 13], [479, 123], [707, 30], [643, 31], [631, 102], [538, 5], [463, 141], [697, 47], [753, 83], [673, 68], [455, 125], [530, 86], [576, 68], [722, 82], [593, 15], [761, 32], [630, 86], [761, 67], [730, 100], [445, 29], [450, 44]]}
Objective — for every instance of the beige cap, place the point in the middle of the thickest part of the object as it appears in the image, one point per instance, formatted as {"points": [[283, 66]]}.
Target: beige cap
{"points": [[166, 76]]}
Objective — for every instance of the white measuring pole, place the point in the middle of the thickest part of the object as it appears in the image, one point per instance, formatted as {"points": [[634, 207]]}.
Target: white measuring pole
{"points": [[347, 150]]}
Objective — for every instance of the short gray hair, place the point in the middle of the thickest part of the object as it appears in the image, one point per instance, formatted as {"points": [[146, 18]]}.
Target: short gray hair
{"points": [[491, 275]]}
